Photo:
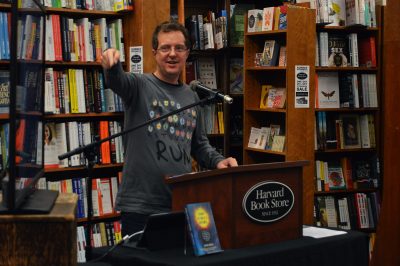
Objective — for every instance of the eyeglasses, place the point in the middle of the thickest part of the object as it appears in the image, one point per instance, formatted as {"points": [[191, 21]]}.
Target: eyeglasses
{"points": [[168, 49]]}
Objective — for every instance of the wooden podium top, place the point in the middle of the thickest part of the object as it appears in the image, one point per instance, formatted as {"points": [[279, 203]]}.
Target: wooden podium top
{"points": [[230, 170]]}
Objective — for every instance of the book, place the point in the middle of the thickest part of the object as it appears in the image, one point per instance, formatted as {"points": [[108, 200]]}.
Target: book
{"points": [[274, 131], [264, 135], [336, 178], [235, 75], [338, 50], [270, 53], [327, 86], [268, 19], [255, 136], [254, 20], [276, 97], [351, 131], [4, 91], [203, 230], [278, 143], [264, 96], [238, 11]]}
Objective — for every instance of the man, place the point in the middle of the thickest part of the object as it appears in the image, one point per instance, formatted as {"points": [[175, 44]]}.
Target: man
{"points": [[165, 147]]}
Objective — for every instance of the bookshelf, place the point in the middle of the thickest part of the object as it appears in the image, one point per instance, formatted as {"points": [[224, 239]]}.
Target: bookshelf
{"points": [[296, 124], [104, 228], [355, 160]]}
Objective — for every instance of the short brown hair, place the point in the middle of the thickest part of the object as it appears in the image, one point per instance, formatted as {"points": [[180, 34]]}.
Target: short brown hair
{"points": [[170, 26]]}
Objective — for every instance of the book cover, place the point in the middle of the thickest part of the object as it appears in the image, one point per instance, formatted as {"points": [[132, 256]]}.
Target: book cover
{"points": [[236, 75], [268, 19], [278, 143], [336, 178], [264, 135], [4, 92], [255, 135], [270, 53], [328, 90], [279, 98], [254, 22], [265, 96], [203, 230], [351, 131], [338, 51], [274, 131]]}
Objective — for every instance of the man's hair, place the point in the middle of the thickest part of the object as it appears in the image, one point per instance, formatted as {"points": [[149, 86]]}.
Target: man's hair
{"points": [[170, 26]]}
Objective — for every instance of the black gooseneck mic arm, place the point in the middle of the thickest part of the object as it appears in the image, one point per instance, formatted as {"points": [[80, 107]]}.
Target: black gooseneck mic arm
{"points": [[91, 150]]}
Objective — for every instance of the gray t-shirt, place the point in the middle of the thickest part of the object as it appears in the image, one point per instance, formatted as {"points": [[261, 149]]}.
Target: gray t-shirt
{"points": [[161, 148]]}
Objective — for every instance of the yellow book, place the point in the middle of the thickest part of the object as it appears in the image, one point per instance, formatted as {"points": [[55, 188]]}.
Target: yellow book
{"points": [[220, 118], [264, 96]]}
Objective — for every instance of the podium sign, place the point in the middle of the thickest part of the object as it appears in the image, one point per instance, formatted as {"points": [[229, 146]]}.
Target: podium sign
{"points": [[252, 204]]}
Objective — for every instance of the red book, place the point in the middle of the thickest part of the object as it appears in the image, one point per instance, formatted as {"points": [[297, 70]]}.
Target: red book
{"points": [[367, 51]]}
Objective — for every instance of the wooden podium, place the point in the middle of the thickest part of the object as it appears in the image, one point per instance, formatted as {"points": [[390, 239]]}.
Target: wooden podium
{"points": [[40, 239], [226, 189]]}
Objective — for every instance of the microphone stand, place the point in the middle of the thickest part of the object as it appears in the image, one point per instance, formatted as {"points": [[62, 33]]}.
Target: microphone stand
{"points": [[90, 152]]}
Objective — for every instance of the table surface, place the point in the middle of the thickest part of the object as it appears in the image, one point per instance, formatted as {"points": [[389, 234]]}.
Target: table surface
{"points": [[348, 249]]}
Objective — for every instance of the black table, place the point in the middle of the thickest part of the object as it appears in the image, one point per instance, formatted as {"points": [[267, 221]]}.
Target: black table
{"points": [[348, 249]]}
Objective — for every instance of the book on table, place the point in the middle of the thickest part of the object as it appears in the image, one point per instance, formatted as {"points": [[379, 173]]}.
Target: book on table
{"points": [[203, 231]]}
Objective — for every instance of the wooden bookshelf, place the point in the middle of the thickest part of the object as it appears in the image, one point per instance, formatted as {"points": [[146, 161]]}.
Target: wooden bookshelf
{"points": [[387, 243], [295, 123]]}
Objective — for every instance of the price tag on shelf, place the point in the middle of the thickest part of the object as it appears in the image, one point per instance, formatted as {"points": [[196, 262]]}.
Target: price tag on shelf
{"points": [[302, 87], [136, 59]]}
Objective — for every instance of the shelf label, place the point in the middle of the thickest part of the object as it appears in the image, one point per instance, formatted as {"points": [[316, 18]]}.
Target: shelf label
{"points": [[136, 59], [302, 87]]}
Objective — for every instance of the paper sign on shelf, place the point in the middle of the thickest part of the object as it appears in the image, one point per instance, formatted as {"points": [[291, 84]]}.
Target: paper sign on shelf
{"points": [[302, 87], [136, 59]]}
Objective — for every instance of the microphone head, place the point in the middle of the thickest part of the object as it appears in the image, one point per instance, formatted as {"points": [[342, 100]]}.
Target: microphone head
{"points": [[193, 84]]}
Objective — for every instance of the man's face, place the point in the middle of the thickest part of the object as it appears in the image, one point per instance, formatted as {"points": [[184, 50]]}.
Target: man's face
{"points": [[170, 55]]}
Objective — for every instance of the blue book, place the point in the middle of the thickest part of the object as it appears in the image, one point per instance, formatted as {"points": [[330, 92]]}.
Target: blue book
{"points": [[202, 228]]}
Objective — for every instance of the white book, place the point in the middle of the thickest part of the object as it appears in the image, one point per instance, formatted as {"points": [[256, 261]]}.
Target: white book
{"points": [[255, 137], [74, 142], [208, 36], [268, 19], [49, 97], [352, 12], [372, 90], [354, 49], [337, 13], [121, 44], [103, 33], [254, 20], [331, 211], [364, 131], [61, 143], [105, 188], [264, 135], [114, 189], [80, 87], [361, 8], [328, 90]]}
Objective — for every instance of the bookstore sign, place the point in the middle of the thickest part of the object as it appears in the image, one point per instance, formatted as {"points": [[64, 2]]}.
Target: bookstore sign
{"points": [[268, 201]]}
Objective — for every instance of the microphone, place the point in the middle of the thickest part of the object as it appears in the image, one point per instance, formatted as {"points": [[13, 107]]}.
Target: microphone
{"points": [[196, 85]]}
